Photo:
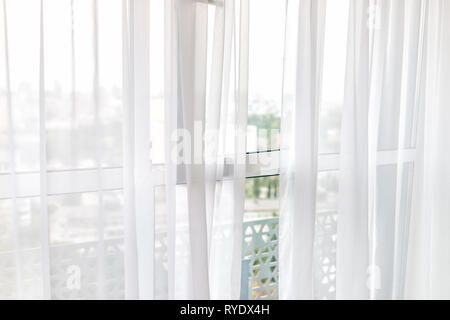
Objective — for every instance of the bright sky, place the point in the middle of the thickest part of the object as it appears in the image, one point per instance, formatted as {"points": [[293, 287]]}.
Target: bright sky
{"points": [[335, 49], [23, 41], [267, 22], [266, 46]]}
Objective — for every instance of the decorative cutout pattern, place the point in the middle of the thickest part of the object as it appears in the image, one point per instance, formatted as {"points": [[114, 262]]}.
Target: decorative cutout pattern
{"points": [[260, 258], [89, 270], [259, 265], [29, 275], [161, 285], [87, 259], [325, 255]]}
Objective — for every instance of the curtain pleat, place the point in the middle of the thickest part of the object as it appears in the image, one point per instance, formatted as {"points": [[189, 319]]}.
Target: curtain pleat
{"points": [[301, 99], [170, 113], [352, 229], [373, 227], [408, 102], [43, 164], [12, 156], [387, 230], [141, 164], [192, 35], [130, 256], [428, 252], [123, 158]]}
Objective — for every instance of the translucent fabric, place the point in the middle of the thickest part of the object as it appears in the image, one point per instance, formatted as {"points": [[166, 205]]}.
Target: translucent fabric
{"points": [[96, 97], [388, 238]]}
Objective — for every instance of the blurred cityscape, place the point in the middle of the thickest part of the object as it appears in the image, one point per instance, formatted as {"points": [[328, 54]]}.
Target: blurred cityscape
{"points": [[73, 218]]}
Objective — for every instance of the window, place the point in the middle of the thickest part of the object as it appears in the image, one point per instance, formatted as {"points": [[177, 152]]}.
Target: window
{"points": [[264, 113], [266, 43], [84, 178]]}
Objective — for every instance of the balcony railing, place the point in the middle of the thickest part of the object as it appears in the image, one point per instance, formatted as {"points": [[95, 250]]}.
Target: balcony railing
{"points": [[76, 271], [102, 262], [260, 258]]}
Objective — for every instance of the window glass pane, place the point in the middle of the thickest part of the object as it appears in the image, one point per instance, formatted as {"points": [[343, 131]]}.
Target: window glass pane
{"points": [[6, 225], [20, 249], [24, 76], [29, 222], [69, 84], [260, 239], [4, 138], [401, 85], [26, 228], [395, 239], [113, 214], [161, 285], [73, 218], [110, 82], [266, 45], [157, 61], [82, 267], [327, 190], [83, 121], [385, 227], [182, 241], [334, 61], [261, 197], [325, 235]]}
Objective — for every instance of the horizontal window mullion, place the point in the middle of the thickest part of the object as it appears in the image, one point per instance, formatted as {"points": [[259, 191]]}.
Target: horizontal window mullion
{"points": [[257, 165], [62, 182]]}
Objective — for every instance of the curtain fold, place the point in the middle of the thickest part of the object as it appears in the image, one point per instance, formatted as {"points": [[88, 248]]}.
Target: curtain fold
{"points": [[352, 229], [205, 101], [299, 128], [123, 156], [225, 251], [109, 214], [390, 239], [428, 252], [192, 34], [376, 161], [140, 185]]}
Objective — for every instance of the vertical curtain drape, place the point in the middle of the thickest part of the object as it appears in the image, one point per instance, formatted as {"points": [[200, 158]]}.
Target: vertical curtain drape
{"points": [[352, 245], [84, 106], [123, 150], [392, 216], [381, 166], [60, 100], [205, 77], [428, 250], [299, 146]]}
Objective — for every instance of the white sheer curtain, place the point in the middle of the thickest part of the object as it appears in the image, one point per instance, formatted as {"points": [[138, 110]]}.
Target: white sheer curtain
{"points": [[299, 147], [122, 154], [391, 239], [202, 230], [60, 203], [123, 149], [429, 253], [377, 231]]}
